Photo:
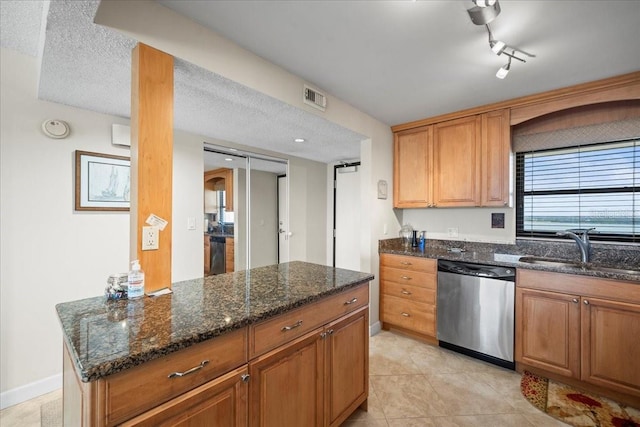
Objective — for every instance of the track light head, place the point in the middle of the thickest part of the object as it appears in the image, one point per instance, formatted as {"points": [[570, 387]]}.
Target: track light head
{"points": [[484, 3], [504, 70], [497, 46]]}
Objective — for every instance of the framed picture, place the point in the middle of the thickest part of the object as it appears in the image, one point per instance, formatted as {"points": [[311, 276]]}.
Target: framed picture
{"points": [[102, 182]]}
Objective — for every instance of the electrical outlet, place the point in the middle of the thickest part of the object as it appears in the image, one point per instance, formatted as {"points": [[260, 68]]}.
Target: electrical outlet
{"points": [[149, 238], [453, 232]]}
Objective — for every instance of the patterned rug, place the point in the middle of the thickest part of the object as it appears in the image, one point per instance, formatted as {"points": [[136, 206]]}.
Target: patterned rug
{"points": [[574, 407]]}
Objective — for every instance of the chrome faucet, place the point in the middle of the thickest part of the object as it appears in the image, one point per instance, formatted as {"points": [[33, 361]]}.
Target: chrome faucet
{"points": [[583, 242]]}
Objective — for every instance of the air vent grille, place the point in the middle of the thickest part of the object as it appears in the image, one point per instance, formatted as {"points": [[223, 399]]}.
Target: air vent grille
{"points": [[314, 98]]}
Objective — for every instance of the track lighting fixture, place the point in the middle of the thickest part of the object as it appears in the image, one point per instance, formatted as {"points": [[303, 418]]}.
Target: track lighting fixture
{"points": [[504, 70], [483, 13]]}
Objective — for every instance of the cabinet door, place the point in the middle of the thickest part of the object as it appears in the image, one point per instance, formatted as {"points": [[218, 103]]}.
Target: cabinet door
{"points": [[286, 387], [456, 162], [218, 403], [610, 344], [496, 158], [412, 164], [347, 365], [548, 331]]}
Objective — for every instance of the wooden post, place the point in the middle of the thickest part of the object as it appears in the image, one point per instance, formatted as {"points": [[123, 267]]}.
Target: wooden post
{"points": [[151, 159]]}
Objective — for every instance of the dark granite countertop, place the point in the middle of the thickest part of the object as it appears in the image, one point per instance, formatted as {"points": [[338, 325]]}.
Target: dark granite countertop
{"points": [[507, 255], [106, 337]]}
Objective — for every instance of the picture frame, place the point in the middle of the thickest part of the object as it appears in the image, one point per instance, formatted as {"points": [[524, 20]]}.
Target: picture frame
{"points": [[102, 182]]}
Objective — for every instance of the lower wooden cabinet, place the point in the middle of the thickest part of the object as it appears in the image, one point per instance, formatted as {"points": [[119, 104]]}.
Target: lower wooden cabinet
{"points": [[220, 403], [408, 287], [584, 329], [318, 379]]}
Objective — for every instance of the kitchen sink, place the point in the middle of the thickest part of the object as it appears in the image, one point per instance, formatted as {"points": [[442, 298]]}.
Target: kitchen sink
{"points": [[560, 262]]}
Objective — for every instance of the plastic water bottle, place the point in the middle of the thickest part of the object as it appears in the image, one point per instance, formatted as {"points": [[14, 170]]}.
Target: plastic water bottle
{"points": [[136, 281]]}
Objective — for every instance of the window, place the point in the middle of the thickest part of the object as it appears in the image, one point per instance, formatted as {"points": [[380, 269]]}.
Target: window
{"points": [[590, 186]]}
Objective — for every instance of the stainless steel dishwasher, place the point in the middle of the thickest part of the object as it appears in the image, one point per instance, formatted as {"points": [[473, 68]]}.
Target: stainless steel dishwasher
{"points": [[476, 310]]}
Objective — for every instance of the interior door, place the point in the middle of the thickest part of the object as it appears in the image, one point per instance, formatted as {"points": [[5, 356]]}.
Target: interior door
{"points": [[346, 242], [283, 221]]}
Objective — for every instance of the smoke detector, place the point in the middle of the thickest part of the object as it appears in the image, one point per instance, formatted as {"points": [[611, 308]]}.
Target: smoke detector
{"points": [[314, 98]]}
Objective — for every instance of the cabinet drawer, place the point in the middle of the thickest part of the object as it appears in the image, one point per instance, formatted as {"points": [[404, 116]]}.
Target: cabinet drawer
{"points": [[415, 316], [408, 277], [409, 292], [274, 332], [131, 392], [412, 263]]}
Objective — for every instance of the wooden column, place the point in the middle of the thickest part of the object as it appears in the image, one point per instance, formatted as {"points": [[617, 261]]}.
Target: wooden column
{"points": [[151, 159]]}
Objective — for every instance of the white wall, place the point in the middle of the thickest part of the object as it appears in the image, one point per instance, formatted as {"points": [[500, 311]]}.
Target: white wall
{"points": [[473, 224], [49, 252]]}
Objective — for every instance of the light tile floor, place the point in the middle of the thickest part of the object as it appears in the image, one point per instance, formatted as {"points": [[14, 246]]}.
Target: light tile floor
{"points": [[411, 384], [416, 384]]}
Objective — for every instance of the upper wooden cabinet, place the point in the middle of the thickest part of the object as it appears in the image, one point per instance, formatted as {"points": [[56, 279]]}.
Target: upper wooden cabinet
{"points": [[220, 177], [458, 163], [496, 159], [412, 161]]}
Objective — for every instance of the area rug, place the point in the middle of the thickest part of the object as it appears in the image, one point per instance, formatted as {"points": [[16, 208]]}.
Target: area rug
{"points": [[51, 414], [575, 407]]}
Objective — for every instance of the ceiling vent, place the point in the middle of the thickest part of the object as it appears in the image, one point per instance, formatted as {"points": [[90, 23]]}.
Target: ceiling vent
{"points": [[314, 98]]}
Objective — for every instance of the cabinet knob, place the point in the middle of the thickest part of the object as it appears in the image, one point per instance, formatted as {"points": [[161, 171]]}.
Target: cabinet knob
{"points": [[586, 302], [405, 292], [245, 378], [406, 314], [575, 300]]}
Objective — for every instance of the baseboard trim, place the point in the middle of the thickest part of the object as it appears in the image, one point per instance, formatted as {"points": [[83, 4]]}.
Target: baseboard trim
{"points": [[375, 328], [29, 391]]}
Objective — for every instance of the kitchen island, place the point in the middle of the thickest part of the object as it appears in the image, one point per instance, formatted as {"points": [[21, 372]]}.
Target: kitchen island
{"points": [[275, 345]]}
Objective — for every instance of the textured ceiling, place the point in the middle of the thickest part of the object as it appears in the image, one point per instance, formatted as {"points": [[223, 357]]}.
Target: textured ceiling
{"points": [[396, 60], [89, 66]]}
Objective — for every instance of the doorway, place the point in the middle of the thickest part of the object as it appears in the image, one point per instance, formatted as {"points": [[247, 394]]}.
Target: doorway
{"points": [[258, 205], [346, 216]]}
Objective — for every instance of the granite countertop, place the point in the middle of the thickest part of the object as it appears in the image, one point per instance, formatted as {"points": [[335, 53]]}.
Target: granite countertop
{"points": [[106, 337], [507, 256]]}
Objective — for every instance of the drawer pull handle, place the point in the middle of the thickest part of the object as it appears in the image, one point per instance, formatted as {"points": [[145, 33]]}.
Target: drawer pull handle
{"points": [[295, 325], [405, 263], [406, 277], [188, 371], [351, 301], [405, 292], [406, 314]]}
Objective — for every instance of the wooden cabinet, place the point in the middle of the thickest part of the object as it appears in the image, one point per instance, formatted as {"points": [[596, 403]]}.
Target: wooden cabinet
{"points": [[317, 372], [219, 179], [549, 326], [581, 328], [456, 162], [229, 257], [408, 287], [496, 159], [412, 163], [220, 403], [464, 162], [318, 379]]}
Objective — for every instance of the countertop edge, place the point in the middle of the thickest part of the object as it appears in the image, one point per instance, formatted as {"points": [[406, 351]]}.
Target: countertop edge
{"points": [[485, 259]]}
